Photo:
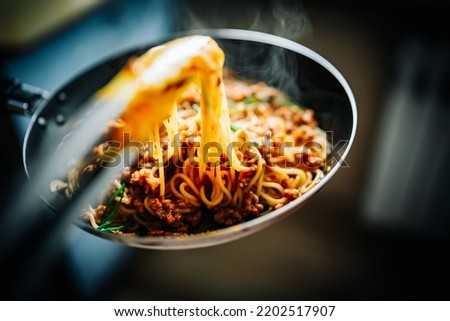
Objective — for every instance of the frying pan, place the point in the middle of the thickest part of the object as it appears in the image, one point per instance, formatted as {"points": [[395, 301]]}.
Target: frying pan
{"points": [[304, 75]]}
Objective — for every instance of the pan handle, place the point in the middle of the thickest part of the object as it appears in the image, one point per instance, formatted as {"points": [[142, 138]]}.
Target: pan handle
{"points": [[22, 98]]}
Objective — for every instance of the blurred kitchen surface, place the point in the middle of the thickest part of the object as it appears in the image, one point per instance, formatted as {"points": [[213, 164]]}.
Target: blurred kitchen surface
{"points": [[379, 230]]}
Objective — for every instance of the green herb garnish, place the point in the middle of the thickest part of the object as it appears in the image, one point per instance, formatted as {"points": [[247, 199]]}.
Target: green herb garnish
{"points": [[112, 229], [250, 99], [105, 222], [196, 108], [234, 128]]}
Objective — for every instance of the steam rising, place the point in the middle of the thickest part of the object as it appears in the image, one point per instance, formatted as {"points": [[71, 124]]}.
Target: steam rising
{"points": [[287, 19], [273, 65], [291, 21]]}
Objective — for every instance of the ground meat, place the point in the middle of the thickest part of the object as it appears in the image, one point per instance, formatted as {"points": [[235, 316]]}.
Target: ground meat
{"points": [[163, 210], [166, 212], [237, 91], [291, 194], [228, 217], [139, 205], [251, 208], [302, 135], [193, 218]]}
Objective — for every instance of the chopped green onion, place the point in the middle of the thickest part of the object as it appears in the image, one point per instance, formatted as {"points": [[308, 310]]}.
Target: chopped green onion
{"points": [[234, 127], [104, 225], [112, 229], [196, 108], [249, 99], [120, 191]]}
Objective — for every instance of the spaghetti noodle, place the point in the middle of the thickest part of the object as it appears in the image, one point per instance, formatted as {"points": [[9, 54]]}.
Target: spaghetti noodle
{"points": [[213, 147]]}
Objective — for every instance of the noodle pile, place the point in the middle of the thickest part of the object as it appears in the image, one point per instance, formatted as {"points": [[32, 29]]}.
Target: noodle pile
{"points": [[212, 147], [273, 173]]}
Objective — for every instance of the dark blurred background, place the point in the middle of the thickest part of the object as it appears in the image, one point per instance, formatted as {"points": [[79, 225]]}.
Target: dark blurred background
{"points": [[378, 231]]}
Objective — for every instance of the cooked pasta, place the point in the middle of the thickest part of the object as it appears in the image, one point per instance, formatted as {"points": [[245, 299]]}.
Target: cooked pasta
{"points": [[213, 147]]}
